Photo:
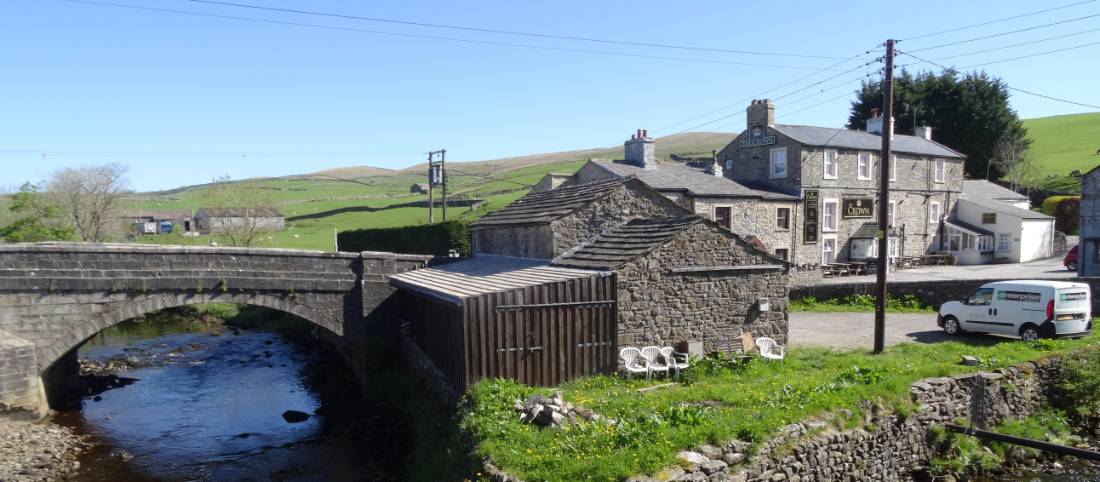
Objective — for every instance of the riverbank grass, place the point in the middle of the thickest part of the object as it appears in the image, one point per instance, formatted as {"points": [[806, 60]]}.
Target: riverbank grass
{"points": [[719, 400], [860, 303]]}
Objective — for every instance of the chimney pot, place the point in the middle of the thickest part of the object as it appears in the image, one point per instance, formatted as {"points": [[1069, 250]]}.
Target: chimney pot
{"points": [[874, 113]]}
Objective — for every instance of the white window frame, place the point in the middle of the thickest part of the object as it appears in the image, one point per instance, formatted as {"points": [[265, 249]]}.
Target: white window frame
{"points": [[893, 167], [939, 169], [863, 161], [985, 243], [892, 246], [890, 210], [771, 162], [786, 255], [789, 211], [934, 212], [825, 164], [825, 212], [825, 240], [1004, 242], [729, 163]]}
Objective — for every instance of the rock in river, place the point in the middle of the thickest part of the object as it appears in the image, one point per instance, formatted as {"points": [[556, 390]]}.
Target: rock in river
{"points": [[294, 416]]}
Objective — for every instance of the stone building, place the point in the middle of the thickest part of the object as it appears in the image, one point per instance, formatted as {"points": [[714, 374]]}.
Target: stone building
{"points": [[685, 278], [218, 220], [545, 225], [550, 181], [1088, 252]]}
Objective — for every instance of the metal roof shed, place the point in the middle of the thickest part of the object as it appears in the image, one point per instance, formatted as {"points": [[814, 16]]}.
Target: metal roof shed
{"points": [[495, 316]]}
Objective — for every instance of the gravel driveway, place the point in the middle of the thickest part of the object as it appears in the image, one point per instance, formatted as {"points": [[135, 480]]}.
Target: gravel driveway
{"points": [[857, 330]]}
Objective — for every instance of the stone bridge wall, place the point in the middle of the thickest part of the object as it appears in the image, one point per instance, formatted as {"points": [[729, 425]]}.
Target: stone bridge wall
{"points": [[54, 297]]}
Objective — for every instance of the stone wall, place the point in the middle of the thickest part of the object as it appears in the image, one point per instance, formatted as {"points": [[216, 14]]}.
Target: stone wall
{"points": [[523, 241], [890, 446], [1088, 254], [631, 200], [19, 384], [662, 307], [933, 293]]}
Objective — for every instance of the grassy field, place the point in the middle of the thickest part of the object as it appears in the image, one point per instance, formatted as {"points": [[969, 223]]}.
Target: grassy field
{"points": [[1066, 142], [720, 400]]}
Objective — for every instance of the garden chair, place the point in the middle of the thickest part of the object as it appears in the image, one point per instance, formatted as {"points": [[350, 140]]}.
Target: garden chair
{"points": [[769, 349], [632, 361], [654, 362], [672, 361]]}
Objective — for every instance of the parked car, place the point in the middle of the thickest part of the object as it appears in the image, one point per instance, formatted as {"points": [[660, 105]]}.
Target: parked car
{"points": [[1070, 261], [1027, 309]]}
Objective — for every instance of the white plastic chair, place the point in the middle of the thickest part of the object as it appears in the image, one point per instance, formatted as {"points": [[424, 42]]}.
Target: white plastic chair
{"points": [[769, 349], [670, 359], [654, 361], [632, 361]]}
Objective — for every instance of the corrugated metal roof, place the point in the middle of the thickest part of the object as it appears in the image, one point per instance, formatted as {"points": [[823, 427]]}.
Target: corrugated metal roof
{"points": [[546, 206], [676, 176], [260, 212], [989, 190], [845, 138], [483, 274], [626, 242]]}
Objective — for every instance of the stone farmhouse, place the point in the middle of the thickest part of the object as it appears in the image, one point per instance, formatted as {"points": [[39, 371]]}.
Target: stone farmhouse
{"points": [[1088, 252], [808, 193], [218, 220]]}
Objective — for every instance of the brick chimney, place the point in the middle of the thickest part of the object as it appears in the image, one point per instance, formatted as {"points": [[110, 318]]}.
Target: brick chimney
{"points": [[874, 124], [640, 150], [924, 132], [760, 112]]}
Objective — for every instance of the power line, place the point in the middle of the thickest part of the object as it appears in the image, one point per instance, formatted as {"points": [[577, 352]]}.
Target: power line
{"points": [[990, 22], [1020, 44], [951, 69], [1001, 34], [507, 32], [435, 37], [1031, 55]]}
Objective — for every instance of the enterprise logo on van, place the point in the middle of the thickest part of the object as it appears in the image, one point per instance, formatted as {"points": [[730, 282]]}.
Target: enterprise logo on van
{"points": [[1073, 296], [1022, 296]]}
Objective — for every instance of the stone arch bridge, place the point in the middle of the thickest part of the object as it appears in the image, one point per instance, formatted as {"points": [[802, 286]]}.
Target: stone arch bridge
{"points": [[55, 296]]}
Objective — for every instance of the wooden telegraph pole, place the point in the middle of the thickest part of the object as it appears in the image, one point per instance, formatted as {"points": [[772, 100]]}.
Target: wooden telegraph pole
{"points": [[884, 198], [431, 185], [443, 179]]}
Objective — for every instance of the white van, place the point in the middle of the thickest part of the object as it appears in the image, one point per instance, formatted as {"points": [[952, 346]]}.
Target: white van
{"points": [[1028, 309]]}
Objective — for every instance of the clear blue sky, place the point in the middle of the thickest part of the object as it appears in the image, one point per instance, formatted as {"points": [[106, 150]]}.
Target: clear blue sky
{"points": [[183, 99]]}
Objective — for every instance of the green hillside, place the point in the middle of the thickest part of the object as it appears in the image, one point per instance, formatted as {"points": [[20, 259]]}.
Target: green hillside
{"points": [[372, 195], [1063, 144]]}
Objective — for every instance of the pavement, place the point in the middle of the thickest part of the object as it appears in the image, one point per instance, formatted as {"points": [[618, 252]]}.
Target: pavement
{"points": [[856, 330], [1047, 268]]}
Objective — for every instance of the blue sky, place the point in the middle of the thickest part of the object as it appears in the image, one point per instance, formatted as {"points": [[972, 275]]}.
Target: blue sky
{"points": [[183, 99]]}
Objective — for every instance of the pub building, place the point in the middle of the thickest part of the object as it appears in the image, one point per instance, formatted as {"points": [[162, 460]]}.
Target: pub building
{"points": [[808, 194]]}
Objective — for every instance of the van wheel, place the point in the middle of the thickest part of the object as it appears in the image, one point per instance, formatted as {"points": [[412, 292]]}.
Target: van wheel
{"points": [[1029, 332], [1072, 266], [951, 326]]}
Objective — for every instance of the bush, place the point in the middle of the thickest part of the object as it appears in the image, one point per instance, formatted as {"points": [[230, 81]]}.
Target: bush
{"points": [[1050, 204], [436, 239], [1067, 216], [1081, 384]]}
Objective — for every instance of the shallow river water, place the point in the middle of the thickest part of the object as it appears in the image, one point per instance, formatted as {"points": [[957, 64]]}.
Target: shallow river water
{"points": [[210, 407]]}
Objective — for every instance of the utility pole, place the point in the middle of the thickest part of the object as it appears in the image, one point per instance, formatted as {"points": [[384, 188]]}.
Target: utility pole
{"points": [[437, 174], [884, 198]]}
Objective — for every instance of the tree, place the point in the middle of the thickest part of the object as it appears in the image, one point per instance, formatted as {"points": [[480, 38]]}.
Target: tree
{"points": [[969, 113], [1020, 167], [35, 218], [91, 196], [241, 206]]}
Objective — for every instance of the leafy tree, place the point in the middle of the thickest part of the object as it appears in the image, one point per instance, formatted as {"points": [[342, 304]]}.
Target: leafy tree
{"points": [[249, 203], [968, 112], [35, 218], [92, 198], [1021, 169]]}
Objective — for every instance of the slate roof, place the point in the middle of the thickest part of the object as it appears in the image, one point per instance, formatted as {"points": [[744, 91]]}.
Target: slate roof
{"points": [[985, 189], [965, 226], [696, 181], [625, 243], [483, 274], [547, 206], [239, 212], [849, 139], [1003, 207]]}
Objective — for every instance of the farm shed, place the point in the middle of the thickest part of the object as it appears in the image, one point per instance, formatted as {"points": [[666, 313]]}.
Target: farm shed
{"points": [[495, 316]]}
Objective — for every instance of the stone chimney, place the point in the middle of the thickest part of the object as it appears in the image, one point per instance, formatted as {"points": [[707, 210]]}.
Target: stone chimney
{"points": [[760, 112], [874, 124], [924, 132], [640, 150], [715, 168]]}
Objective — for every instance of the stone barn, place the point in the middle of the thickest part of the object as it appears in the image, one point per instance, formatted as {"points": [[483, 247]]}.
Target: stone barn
{"points": [[547, 224], [685, 278]]}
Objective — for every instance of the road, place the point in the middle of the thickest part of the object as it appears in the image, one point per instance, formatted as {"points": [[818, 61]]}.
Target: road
{"points": [[1041, 269], [856, 330]]}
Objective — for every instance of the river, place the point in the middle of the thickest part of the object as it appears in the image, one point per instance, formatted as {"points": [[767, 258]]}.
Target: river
{"points": [[208, 402]]}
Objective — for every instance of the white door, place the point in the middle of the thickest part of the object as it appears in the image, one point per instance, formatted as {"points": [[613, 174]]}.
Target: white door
{"points": [[977, 313], [828, 250]]}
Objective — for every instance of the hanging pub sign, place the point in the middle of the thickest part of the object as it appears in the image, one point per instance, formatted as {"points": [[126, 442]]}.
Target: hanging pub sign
{"points": [[809, 223], [756, 138], [858, 207]]}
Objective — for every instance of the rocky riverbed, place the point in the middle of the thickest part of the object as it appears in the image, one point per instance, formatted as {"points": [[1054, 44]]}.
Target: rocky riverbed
{"points": [[37, 451]]}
